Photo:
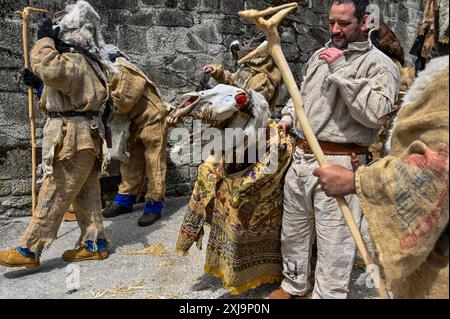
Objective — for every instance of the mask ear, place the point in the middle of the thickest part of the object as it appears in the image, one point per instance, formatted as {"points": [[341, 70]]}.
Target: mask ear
{"points": [[242, 100]]}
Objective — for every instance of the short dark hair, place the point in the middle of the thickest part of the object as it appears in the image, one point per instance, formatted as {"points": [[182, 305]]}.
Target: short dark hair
{"points": [[360, 7]]}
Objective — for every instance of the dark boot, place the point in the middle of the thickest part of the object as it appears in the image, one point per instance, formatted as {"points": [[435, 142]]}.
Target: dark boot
{"points": [[115, 211], [148, 219]]}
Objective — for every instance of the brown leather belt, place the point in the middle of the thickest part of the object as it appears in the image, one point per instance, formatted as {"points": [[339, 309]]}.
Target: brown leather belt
{"points": [[330, 148]]}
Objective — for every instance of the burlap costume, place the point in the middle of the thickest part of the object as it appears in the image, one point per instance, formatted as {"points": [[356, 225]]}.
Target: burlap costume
{"points": [[405, 195], [343, 102], [259, 74], [72, 153], [136, 98]]}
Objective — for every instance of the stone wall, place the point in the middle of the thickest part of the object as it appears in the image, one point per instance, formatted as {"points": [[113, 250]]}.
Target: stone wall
{"points": [[170, 40]]}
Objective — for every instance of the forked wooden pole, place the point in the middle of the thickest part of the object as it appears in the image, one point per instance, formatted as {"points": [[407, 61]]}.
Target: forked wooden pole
{"points": [[273, 48], [25, 14]]}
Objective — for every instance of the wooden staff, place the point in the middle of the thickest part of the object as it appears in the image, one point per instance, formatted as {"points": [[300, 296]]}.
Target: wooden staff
{"points": [[25, 14], [273, 48]]}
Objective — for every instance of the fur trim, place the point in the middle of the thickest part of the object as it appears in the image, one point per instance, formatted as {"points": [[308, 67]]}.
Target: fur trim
{"points": [[433, 68], [81, 27], [424, 78]]}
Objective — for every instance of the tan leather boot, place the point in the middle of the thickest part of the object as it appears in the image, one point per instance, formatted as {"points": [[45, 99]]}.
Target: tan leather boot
{"points": [[13, 258], [70, 216], [82, 254], [280, 293]]}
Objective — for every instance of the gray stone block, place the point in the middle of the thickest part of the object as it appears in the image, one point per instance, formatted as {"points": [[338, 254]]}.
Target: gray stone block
{"points": [[210, 5], [144, 19], [9, 8], [13, 109], [154, 3], [121, 4], [178, 175], [230, 25], [232, 7], [15, 164], [189, 5], [14, 83], [25, 211], [11, 35], [183, 64], [174, 18], [19, 202], [307, 44], [10, 59], [5, 188], [162, 41], [53, 5], [287, 35], [208, 31], [21, 187], [133, 39]]}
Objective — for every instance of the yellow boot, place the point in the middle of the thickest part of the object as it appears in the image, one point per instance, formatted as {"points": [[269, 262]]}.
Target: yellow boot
{"points": [[70, 216], [82, 253], [13, 258]]}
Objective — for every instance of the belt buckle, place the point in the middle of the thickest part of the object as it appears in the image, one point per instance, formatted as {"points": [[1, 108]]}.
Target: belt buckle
{"points": [[94, 126]]}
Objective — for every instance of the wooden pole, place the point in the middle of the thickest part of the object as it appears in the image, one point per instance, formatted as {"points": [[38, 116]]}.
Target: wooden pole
{"points": [[273, 48], [25, 14]]}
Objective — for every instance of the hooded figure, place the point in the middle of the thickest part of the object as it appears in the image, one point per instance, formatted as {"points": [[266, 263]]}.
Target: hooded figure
{"points": [[139, 133], [75, 93]]}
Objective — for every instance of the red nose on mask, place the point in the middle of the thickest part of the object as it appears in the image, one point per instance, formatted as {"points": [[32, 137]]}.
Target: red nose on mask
{"points": [[241, 100]]}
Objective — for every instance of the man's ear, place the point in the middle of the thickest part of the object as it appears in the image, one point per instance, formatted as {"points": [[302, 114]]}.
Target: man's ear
{"points": [[364, 23]]}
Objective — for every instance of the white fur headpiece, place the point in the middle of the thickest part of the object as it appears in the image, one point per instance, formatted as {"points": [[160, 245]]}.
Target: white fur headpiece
{"points": [[81, 27]]}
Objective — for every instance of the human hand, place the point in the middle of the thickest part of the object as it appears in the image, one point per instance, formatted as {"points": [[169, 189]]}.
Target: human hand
{"points": [[336, 180], [31, 79], [46, 30], [330, 55]]}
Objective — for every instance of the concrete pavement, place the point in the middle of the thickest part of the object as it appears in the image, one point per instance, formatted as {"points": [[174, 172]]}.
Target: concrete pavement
{"points": [[161, 274]]}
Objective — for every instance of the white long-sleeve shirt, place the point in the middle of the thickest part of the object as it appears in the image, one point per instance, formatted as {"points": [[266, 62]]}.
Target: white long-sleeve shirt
{"points": [[344, 100]]}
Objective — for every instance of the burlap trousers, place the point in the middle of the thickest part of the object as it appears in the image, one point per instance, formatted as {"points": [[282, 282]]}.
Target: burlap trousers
{"points": [[76, 181], [147, 158], [310, 214]]}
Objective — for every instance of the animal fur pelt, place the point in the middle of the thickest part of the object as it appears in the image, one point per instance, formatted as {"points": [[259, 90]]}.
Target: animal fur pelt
{"points": [[81, 27], [435, 66]]}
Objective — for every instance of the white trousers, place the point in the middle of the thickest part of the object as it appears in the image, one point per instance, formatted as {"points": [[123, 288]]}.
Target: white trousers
{"points": [[309, 214]]}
